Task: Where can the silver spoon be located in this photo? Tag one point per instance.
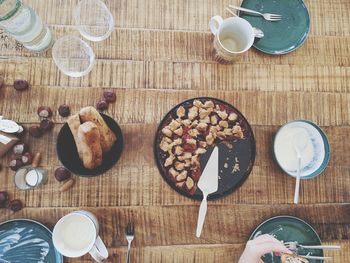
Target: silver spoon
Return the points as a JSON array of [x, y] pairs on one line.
[[300, 141]]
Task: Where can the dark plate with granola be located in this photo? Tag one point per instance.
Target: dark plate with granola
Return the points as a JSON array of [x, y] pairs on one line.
[[186, 137]]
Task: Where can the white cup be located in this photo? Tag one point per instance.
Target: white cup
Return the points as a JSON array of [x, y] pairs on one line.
[[233, 37], [76, 234]]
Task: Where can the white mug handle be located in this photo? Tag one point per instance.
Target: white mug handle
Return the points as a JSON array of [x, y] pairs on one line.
[[214, 24], [99, 251]]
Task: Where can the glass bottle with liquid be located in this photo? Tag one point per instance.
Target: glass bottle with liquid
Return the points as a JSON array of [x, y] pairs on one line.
[[22, 23]]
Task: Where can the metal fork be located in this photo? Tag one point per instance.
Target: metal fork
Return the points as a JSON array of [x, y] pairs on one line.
[[267, 16], [295, 245], [129, 233]]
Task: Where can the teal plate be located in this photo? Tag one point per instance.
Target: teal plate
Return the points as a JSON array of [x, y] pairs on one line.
[[289, 228], [25, 240], [283, 36]]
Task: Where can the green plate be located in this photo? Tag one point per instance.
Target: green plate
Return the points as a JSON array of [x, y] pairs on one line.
[[289, 228], [283, 36]]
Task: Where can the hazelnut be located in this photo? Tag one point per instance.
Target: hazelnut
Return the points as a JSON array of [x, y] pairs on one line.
[[15, 205], [16, 164], [4, 199], [64, 110], [20, 85], [44, 112], [46, 125], [62, 174], [102, 105], [20, 148], [26, 158], [109, 96], [35, 131], [21, 131]]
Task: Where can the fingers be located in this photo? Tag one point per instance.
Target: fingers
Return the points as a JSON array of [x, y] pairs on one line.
[[268, 247]]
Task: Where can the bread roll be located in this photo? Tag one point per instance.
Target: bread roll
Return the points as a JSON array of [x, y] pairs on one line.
[[290, 258], [107, 136], [74, 123], [89, 139]]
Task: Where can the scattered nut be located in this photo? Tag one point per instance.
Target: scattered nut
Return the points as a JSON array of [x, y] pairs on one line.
[[15, 164], [46, 125], [4, 199], [35, 131], [64, 110], [15, 205], [102, 105], [36, 160], [67, 185], [109, 96], [62, 174], [44, 112], [20, 148], [27, 158], [20, 85]]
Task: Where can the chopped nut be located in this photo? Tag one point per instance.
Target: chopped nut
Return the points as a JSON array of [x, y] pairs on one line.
[[198, 103], [222, 114], [214, 120], [228, 132], [180, 184], [223, 124], [203, 113], [185, 156], [169, 161], [194, 160], [179, 150], [164, 145], [178, 141], [200, 151], [214, 129], [194, 124], [206, 120], [187, 163], [167, 132], [202, 127], [186, 122], [174, 125], [221, 135], [232, 117], [209, 139], [189, 183], [202, 144], [179, 131], [191, 142], [209, 104], [179, 166], [193, 133], [181, 176], [173, 172], [193, 113], [180, 112]]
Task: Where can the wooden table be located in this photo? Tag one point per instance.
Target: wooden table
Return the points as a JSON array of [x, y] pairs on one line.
[[159, 55]]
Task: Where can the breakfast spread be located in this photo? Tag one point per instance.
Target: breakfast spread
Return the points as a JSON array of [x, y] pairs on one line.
[[92, 136]]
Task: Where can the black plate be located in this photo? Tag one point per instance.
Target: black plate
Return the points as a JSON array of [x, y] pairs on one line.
[[243, 149], [68, 154]]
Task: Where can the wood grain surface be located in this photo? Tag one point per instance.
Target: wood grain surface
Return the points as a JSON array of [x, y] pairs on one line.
[[159, 54]]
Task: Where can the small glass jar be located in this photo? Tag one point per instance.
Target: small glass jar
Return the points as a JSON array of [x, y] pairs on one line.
[[28, 177]]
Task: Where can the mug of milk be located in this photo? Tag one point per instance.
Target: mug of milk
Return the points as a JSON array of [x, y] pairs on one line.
[[232, 37], [76, 234]]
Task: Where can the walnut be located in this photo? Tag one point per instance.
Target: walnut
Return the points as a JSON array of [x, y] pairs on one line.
[[194, 160], [228, 131], [193, 113], [180, 112], [186, 122], [181, 176], [184, 156], [189, 183], [167, 132], [164, 145], [202, 127], [178, 141], [179, 131], [208, 104], [209, 139], [223, 124], [222, 114], [174, 125], [187, 163], [173, 172], [203, 113], [232, 117], [193, 133], [169, 161], [179, 166], [179, 150], [213, 120], [198, 103], [206, 120], [200, 151], [194, 124], [191, 142]]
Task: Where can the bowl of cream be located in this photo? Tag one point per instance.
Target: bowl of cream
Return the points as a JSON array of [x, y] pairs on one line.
[[315, 155]]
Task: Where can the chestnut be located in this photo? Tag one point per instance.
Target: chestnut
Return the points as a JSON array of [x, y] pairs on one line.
[[46, 125], [20, 148], [64, 110], [102, 105], [4, 199], [35, 131], [44, 112], [27, 158], [62, 174], [109, 96], [15, 164], [15, 205], [20, 85]]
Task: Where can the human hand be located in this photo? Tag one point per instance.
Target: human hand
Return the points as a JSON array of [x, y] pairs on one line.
[[260, 246]]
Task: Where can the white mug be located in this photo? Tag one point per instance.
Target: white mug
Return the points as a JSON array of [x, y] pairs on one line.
[[76, 234], [233, 37]]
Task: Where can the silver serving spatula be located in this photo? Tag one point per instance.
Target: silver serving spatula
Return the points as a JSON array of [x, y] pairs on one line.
[[208, 184]]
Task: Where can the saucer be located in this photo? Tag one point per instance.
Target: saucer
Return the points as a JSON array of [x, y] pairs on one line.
[[284, 36]]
